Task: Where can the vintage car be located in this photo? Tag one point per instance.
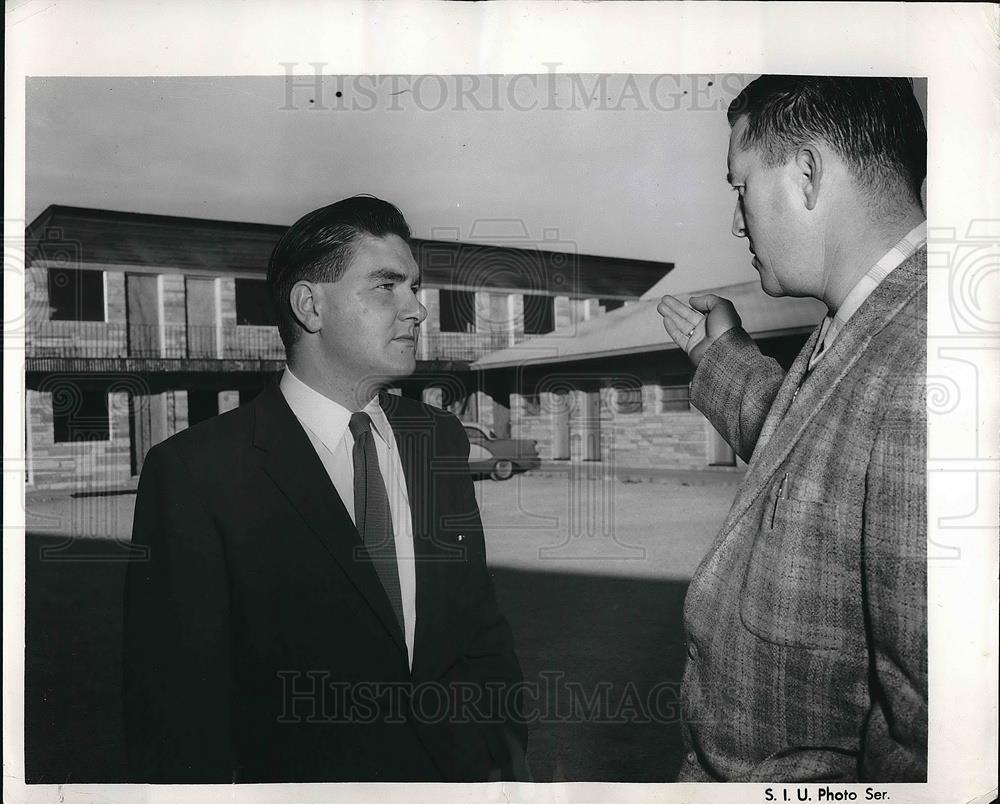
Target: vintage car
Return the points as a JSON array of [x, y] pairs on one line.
[[499, 458]]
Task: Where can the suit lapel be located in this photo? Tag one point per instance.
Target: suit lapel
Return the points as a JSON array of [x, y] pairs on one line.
[[293, 465], [791, 414]]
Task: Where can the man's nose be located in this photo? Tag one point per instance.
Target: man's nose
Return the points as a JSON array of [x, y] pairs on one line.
[[739, 225], [414, 310]]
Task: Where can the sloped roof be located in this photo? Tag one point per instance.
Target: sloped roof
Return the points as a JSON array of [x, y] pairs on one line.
[[106, 240], [637, 327]]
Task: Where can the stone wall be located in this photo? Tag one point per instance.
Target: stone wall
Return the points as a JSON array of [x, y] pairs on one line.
[[80, 465], [650, 437], [563, 312], [114, 295], [516, 303], [227, 314], [36, 297], [534, 421], [47, 338], [88, 465], [228, 400]]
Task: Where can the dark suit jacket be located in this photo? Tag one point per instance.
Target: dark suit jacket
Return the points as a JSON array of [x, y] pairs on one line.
[[259, 642]]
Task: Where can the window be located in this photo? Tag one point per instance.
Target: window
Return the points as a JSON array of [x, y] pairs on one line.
[[611, 304], [676, 393], [79, 415], [457, 310], [539, 314], [253, 303], [76, 295], [627, 399]]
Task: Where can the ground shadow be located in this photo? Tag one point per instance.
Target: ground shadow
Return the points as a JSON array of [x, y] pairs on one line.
[[72, 660], [597, 647], [616, 646]]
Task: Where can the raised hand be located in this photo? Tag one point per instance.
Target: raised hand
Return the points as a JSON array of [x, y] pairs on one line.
[[696, 327]]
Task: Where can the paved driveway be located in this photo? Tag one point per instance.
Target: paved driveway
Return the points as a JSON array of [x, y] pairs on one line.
[[591, 573]]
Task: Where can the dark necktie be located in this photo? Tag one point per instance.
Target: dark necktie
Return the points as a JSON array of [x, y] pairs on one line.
[[372, 515]]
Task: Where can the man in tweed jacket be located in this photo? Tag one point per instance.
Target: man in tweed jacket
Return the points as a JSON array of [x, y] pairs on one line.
[[806, 623]]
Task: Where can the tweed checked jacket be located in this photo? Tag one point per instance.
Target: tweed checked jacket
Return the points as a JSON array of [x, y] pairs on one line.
[[807, 620]]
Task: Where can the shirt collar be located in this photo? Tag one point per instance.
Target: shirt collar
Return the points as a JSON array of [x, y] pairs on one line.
[[326, 419], [888, 263]]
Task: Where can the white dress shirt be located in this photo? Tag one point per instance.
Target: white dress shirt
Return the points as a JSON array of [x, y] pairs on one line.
[[890, 261], [326, 424]]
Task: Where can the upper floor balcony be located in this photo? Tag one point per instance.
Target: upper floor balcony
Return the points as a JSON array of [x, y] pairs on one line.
[[58, 345], [101, 339]]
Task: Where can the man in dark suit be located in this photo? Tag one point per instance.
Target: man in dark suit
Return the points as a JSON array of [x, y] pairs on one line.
[[314, 602]]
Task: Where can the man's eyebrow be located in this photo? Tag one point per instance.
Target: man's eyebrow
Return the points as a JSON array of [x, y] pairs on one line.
[[389, 275]]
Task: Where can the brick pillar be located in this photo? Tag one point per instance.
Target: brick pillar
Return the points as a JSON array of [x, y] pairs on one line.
[[431, 299], [590, 421], [562, 315], [177, 411], [147, 425], [483, 311], [36, 298], [114, 285], [560, 404], [588, 308], [227, 314], [228, 400], [516, 304]]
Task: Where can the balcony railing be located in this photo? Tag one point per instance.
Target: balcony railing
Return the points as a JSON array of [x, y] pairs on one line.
[[179, 342], [170, 341], [463, 345]]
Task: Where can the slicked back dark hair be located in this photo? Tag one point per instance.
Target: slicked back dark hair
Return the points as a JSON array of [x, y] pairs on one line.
[[318, 247], [875, 124]]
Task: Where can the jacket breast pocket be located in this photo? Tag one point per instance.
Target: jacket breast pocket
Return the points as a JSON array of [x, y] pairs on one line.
[[802, 586]]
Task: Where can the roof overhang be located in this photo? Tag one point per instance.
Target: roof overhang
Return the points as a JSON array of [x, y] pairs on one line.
[[538, 357], [96, 239]]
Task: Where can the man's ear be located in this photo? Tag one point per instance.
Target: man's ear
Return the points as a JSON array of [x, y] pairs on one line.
[[306, 305], [809, 170]]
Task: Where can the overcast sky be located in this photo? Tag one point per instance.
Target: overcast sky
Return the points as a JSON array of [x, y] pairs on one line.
[[623, 166]]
